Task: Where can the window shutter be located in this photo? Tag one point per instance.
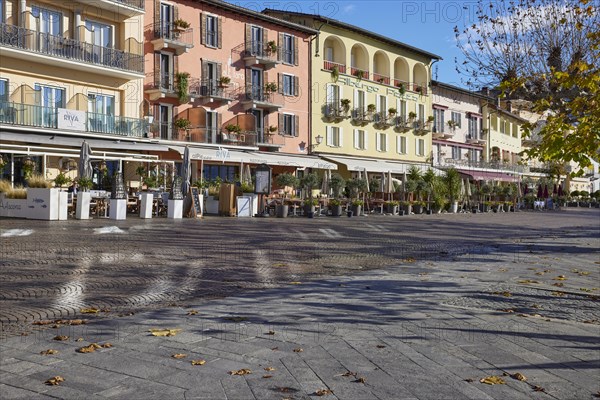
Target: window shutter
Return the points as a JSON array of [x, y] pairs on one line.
[[281, 124], [156, 13], [157, 71], [377, 141], [280, 47], [220, 32], [295, 50], [296, 125], [398, 145], [219, 122], [219, 70], [366, 136], [202, 28], [296, 86], [265, 36], [279, 83], [205, 71], [329, 136], [175, 13], [356, 144], [248, 38], [386, 142], [341, 137], [175, 66]]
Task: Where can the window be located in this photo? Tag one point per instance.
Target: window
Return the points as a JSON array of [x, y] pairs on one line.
[[288, 49], [101, 34], [420, 147], [257, 40], [333, 94], [212, 31], [289, 85], [382, 104], [515, 132], [47, 21], [3, 89], [165, 78], [334, 136], [381, 142], [360, 139], [473, 134], [502, 126], [401, 144], [101, 111], [421, 114], [455, 153], [402, 109], [438, 122], [288, 124], [456, 118], [49, 98], [359, 100]]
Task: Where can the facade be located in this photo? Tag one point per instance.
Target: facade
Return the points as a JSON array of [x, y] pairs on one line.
[[371, 98], [230, 83], [69, 72]]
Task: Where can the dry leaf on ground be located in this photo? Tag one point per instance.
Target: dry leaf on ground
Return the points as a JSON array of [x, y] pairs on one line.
[[267, 376], [361, 380], [558, 284], [539, 389], [192, 312], [558, 294], [48, 352], [164, 332], [236, 319], [44, 322], [270, 333], [107, 345], [198, 362], [323, 392], [243, 371], [179, 355], [560, 278], [525, 281], [295, 283], [55, 381], [91, 310], [348, 373], [88, 349], [519, 376], [492, 380], [61, 337], [469, 380], [79, 339], [269, 369], [380, 346], [298, 350], [507, 310]]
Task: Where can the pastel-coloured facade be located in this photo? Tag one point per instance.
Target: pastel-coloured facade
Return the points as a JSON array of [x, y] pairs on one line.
[[70, 71], [371, 101], [231, 83]]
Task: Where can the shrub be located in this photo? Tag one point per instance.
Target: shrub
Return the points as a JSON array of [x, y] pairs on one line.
[[38, 181], [5, 186], [61, 180], [16, 193]]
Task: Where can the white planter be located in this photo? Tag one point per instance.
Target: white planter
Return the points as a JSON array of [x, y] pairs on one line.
[[118, 209], [16, 208], [63, 205], [244, 206], [83, 205], [253, 203], [212, 205], [42, 203], [175, 209], [146, 205], [454, 207]]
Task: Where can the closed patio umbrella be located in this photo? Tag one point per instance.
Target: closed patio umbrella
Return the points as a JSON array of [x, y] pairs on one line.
[[545, 191], [560, 190], [389, 185], [554, 190], [247, 175], [382, 183], [325, 183], [540, 192], [367, 179], [186, 171], [84, 168]]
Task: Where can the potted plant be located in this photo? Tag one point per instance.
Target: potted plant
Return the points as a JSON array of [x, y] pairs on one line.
[[485, 190], [271, 47], [401, 88], [371, 108], [345, 105], [271, 87], [337, 184], [391, 207], [224, 81], [3, 162], [182, 82], [356, 186], [452, 182], [452, 125], [310, 182], [180, 25], [392, 111], [412, 116], [233, 128], [419, 89], [285, 180], [182, 124], [408, 189], [357, 207], [61, 180], [335, 73], [272, 130], [335, 206], [359, 74], [28, 167]]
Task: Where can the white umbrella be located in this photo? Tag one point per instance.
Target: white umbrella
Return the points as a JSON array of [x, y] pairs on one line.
[[325, 184], [382, 183], [367, 179], [389, 185], [84, 168], [186, 171], [247, 175]]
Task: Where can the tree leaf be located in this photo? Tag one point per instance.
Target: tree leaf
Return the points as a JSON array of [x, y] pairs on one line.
[[192, 312], [164, 332], [323, 392], [361, 380], [269, 369], [270, 333], [267, 376], [88, 349], [57, 380], [492, 380], [91, 310], [298, 350]]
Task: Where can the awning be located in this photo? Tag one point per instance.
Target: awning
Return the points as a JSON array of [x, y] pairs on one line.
[[488, 176], [291, 160], [219, 154], [373, 165], [27, 138]]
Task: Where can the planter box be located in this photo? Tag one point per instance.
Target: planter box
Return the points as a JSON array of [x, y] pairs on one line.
[[253, 202], [417, 209], [357, 210], [15, 208], [63, 206], [118, 209], [175, 209], [244, 206], [83, 205], [336, 211], [43, 204], [146, 205], [391, 209], [282, 210], [212, 205]]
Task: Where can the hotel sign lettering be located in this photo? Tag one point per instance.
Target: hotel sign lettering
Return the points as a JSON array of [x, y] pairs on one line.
[[355, 83], [71, 119]]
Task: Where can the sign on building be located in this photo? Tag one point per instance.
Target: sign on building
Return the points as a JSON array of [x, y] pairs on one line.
[[71, 119]]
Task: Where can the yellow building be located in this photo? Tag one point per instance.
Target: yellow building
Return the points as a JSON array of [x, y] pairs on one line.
[[71, 71], [371, 102]]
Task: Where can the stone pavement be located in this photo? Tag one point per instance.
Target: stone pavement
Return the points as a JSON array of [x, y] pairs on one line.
[[368, 308]]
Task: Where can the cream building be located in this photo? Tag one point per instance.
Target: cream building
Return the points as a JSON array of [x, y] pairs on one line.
[[71, 71], [371, 100]]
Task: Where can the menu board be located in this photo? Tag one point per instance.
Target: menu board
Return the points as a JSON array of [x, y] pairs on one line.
[[262, 184], [196, 206], [176, 193], [118, 188]]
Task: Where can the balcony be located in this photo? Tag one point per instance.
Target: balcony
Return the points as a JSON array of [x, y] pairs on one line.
[[441, 132], [382, 120], [359, 73], [384, 80], [160, 86], [59, 51], [423, 127], [400, 84], [477, 138], [360, 116], [330, 66], [402, 124], [334, 111], [129, 8], [210, 91], [259, 53], [495, 165], [421, 89], [257, 97], [170, 36], [47, 117], [167, 131], [269, 140]]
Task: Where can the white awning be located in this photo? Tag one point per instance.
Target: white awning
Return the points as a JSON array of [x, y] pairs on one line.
[[373, 165], [291, 160], [218, 154]]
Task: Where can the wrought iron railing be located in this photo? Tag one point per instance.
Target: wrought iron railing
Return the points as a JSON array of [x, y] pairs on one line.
[[161, 81], [263, 95], [209, 88], [133, 3], [360, 115], [69, 49], [173, 33], [260, 49], [115, 125]]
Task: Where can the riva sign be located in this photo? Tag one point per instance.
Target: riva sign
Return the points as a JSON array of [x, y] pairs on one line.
[[71, 119]]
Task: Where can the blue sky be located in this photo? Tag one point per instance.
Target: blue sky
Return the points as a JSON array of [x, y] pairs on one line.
[[424, 24]]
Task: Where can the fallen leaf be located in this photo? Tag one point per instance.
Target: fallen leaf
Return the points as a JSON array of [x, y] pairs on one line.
[[269, 369], [507, 310], [267, 376], [106, 310], [361, 380], [469, 380], [537, 306], [348, 373], [492, 380], [164, 332], [380, 346], [79, 339], [558, 284], [583, 273], [298, 350], [236, 319], [72, 321], [323, 392], [585, 290], [243, 371], [55, 381], [48, 352], [505, 374], [179, 355], [560, 278], [88, 349], [270, 333], [558, 294], [523, 315], [519, 376], [590, 321], [539, 273], [61, 337], [192, 312], [409, 260], [539, 389], [502, 270], [107, 345], [91, 310], [285, 389], [526, 281], [198, 362], [44, 322], [275, 348]]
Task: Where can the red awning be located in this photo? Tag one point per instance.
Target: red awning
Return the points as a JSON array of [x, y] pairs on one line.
[[488, 176]]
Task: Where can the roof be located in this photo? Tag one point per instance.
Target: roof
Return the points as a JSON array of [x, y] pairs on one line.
[[461, 90], [255, 14], [353, 28]]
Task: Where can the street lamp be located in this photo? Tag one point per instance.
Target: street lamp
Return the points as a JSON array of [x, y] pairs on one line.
[[318, 141]]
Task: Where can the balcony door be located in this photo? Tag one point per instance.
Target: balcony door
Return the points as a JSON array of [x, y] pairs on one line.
[[212, 127], [166, 72], [49, 99], [165, 113], [211, 78], [256, 83], [260, 125], [49, 27], [101, 113], [333, 95], [166, 18], [100, 36], [257, 38]]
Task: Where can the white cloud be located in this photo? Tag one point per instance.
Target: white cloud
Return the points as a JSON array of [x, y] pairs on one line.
[[348, 8]]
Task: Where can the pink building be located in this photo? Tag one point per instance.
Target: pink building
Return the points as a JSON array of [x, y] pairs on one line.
[[231, 83]]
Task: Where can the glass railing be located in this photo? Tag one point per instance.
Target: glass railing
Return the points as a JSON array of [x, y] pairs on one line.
[[69, 49], [115, 125]]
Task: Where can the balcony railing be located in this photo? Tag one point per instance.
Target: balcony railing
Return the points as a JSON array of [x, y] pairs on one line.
[[330, 65], [403, 124], [133, 3], [69, 49], [497, 165], [262, 95], [47, 117], [415, 87], [360, 116], [209, 88], [400, 83], [168, 31], [382, 119], [357, 72], [167, 131], [259, 52], [385, 80], [334, 110], [163, 82]]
